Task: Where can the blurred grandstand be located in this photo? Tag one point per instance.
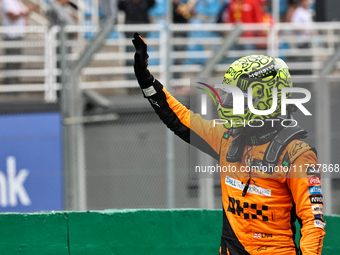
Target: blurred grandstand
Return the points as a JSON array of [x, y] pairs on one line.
[[122, 167]]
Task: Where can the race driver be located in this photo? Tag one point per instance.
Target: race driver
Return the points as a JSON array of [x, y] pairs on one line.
[[260, 206]]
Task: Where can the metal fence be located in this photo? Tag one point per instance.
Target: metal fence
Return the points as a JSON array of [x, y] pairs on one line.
[[193, 45], [126, 157]]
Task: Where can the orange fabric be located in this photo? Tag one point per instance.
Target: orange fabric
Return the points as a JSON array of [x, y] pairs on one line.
[[180, 110], [262, 222], [261, 218], [205, 129]]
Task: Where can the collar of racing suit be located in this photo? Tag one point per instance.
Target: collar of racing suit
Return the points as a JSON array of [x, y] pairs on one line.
[[251, 136], [264, 134]]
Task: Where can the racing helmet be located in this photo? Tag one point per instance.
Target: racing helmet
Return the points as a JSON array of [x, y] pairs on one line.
[[262, 74]]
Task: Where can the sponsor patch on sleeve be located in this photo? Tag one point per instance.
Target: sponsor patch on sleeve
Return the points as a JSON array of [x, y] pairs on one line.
[[315, 190], [311, 170], [314, 180], [316, 209], [319, 224], [318, 216], [150, 91], [316, 199]]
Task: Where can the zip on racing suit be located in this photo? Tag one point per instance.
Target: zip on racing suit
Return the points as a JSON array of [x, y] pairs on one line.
[[259, 207]]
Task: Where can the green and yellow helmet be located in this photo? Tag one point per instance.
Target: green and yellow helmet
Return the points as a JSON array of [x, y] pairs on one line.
[[262, 74]]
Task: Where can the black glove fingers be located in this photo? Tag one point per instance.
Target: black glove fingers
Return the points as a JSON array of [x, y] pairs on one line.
[[139, 42], [136, 35], [135, 43], [145, 79], [145, 49]]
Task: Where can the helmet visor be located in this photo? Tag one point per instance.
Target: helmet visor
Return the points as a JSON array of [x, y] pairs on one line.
[[227, 99]]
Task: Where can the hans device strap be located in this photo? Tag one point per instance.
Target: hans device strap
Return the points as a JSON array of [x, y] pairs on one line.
[[274, 149], [237, 146], [279, 142]]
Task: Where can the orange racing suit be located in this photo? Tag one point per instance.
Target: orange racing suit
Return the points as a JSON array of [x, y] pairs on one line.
[[262, 220]]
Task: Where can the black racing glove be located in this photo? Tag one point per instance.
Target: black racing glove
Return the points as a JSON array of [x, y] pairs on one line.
[[147, 82]]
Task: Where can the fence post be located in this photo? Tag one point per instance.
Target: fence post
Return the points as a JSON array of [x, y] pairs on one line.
[[50, 89], [47, 65], [72, 108], [170, 148], [272, 41], [276, 10], [94, 12]]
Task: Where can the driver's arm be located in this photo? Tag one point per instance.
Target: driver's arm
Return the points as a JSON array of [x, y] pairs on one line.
[[306, 190], [190, 127]]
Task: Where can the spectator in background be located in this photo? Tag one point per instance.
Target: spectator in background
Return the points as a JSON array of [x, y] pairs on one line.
[[110, 9], [14, 14], [222, 16], [291, 9], [136, 12], [302, 17], [58, 13], [244, 11], [266, 18], [178, 17], [182, 12]]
